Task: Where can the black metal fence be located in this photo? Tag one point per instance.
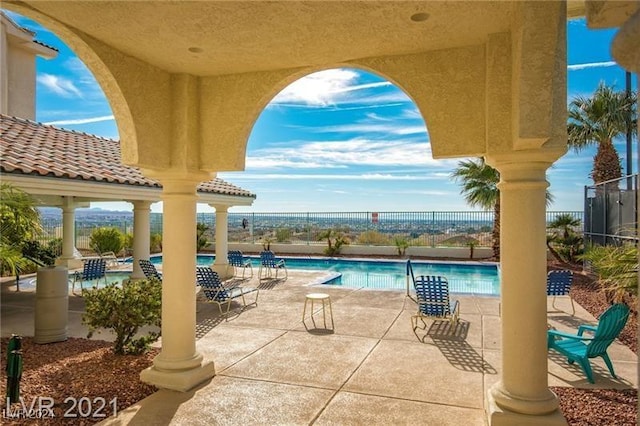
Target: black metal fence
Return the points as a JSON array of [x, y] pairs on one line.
[[611, 212], [430, 229]]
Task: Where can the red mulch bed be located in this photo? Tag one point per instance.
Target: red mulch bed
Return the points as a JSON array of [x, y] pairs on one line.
[[597, 407], [76, 368]]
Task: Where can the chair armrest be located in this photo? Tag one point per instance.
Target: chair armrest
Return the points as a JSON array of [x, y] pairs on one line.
[[280, 263], [585, 327], [556, 333], [456, 306]]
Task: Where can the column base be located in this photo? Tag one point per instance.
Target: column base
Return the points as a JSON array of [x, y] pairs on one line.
[[497, 416], [178, 380], [223, 270], [70, 263]]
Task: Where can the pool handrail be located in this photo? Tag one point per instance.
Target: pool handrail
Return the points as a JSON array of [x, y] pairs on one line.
[[413, 279]]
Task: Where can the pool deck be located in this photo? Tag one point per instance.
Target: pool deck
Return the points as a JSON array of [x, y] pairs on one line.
[[272, 369]]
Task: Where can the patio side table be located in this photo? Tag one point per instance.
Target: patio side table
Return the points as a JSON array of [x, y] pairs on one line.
[[323, 297]]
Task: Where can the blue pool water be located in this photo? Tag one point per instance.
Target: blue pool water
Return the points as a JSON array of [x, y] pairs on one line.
[[477, 278]]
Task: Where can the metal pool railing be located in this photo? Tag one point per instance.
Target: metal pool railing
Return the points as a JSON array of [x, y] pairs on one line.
[[427, 228]]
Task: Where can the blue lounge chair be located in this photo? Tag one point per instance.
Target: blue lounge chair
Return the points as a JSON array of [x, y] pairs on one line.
[[217, 293], [559, 284], [238, 261], [577, 347], [149, 270], [93, 269], [432, 296], [268, 262]]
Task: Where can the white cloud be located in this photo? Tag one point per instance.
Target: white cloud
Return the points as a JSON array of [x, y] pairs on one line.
[[394, 129], [81, 120], [316, 177], [357, 151], [59, 85], [319, 88], [576, 67], [411, 113], [364, 86], [331, 87]]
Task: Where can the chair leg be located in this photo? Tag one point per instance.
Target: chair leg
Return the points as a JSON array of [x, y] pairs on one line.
[[304, 309], [586, 367], [607, 361], [573, 308]]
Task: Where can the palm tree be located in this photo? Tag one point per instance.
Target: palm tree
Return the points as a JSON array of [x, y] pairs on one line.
[[565, 223], [597, 121], [480, 189], [19, 223]]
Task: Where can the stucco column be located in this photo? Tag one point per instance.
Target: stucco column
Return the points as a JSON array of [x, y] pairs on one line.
[[141, 235], [68, 257], [178, 366], [221, 264], [522, 395]]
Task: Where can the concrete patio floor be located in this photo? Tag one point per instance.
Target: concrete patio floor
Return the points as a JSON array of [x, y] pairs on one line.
[[271, 369]]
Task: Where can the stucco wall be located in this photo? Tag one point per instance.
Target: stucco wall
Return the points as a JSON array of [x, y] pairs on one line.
[[21, 81]]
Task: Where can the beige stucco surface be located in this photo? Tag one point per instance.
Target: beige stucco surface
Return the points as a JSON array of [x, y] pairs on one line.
[[187, 80], [193, 111]]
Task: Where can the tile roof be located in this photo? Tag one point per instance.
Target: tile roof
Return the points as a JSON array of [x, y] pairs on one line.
[[31, 148]]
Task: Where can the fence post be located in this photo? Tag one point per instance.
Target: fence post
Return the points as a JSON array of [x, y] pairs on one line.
[[433, 227], [253, 221]]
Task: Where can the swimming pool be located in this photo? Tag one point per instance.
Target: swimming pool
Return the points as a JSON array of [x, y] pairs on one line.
[[463, 277]]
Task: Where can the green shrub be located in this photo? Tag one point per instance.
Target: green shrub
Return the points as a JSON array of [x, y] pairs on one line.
[[155, 245], [401, 244], [201, 238], [373, 238], [335, 241], [37, 253], [106, 239], [128, 243], [55, 246], [124, 310], [617, 268], [283, 235]]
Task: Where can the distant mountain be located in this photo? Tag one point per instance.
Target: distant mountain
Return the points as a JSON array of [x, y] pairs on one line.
[[95, 211]]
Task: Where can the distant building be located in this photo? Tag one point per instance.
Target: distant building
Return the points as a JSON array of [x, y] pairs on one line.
[[18, 52]]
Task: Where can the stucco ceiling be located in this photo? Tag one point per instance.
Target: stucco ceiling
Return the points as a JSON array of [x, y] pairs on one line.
[[243, 36]]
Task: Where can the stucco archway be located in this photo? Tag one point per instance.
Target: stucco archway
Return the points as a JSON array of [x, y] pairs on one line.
[[489, 80]]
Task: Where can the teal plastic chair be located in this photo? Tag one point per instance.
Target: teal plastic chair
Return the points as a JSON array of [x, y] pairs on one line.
[[577, 347]]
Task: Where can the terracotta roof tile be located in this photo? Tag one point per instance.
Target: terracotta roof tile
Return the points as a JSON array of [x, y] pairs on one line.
[[27, 147]]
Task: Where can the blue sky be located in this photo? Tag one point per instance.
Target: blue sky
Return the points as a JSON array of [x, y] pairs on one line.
[[338, 140]]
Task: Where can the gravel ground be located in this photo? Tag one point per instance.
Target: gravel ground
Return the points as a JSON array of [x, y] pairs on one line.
[[599, 407], [74, 369], [81, 368]]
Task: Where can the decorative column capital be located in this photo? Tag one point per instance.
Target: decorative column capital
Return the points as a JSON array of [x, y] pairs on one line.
[[624, 47], [178, 181], [141, 204], [525, 158], [220, 208]]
